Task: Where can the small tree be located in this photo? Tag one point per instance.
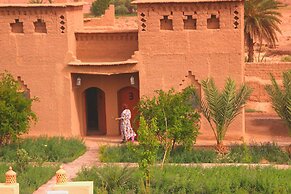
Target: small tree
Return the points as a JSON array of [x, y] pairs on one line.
[[15, 110], [99, 6], [281, 97], [177, 120], [147, 149], [220, 108]]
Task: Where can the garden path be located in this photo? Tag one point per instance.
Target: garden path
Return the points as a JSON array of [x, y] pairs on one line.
[[86, 160]]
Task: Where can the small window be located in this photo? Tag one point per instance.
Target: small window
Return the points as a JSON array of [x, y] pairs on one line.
[[190, 23], [166, 23], [213, 22], [17, 27], [40, 26]]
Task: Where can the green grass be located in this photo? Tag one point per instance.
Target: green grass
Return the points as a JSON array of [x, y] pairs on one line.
[[286, 58], [178, 179], [45, 149], [30, 179], [238, 154], [252, 110]]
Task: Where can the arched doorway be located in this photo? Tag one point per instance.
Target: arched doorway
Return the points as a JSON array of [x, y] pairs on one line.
[[130, 96], [95, 111]]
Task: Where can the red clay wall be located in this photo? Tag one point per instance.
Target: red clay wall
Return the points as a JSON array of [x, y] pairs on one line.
[[168, 56], [257, 75], [103, 47], [39, 59]]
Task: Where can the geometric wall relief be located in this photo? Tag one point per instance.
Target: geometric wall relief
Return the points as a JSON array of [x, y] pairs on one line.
[[62, 24], [143, 22], [17, 27], [23, 88], [189, 80], [235, 18], [40, 26], [213, 22]]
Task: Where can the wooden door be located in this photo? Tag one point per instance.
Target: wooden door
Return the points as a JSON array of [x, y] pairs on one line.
[[130, 96]]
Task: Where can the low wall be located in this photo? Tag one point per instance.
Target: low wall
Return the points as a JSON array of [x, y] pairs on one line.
[[257, 76]]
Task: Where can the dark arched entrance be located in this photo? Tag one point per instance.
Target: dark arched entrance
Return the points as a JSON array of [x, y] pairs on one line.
[[95, 111]]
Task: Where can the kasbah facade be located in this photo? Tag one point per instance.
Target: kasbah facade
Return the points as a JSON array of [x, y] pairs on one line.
[[83, 70]]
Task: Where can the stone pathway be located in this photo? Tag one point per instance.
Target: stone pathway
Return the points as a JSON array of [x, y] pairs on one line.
[[86, 160]]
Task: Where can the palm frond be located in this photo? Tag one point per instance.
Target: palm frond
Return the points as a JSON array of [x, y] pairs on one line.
[[281, 97]]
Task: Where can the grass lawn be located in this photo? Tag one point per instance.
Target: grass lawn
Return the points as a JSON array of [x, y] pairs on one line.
[[31, 165], [31, 178], [238, 154], [178, 179], [45, 149]]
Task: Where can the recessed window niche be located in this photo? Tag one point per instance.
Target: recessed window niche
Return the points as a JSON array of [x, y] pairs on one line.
[[17, 27], [190, 23], [40, 26], [166, 23], [213, 22]]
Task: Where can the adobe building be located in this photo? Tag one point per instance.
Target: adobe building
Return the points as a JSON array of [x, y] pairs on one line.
[[84, 70]]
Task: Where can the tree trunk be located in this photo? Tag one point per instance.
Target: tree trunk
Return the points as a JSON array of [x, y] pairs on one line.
[[220, 148], [250, 44]]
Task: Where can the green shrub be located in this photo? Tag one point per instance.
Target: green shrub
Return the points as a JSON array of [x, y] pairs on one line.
[[179, 179], [108, 179], [15, 110], [50, 149], [121, 10], [32, 178], [123, 7], [177, 120], [99, 6]]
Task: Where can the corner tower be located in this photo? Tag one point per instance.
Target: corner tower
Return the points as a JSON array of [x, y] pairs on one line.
[[182, 42]]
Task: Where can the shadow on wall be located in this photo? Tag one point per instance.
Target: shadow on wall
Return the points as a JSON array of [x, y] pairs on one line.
[[266, 125]]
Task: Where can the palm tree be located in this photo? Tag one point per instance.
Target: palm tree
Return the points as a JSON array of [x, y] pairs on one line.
[[281, 97], [261, 23], [220, 108]]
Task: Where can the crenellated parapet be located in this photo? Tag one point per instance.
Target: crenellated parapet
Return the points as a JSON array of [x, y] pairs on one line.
[[189, 15], [32, 18]]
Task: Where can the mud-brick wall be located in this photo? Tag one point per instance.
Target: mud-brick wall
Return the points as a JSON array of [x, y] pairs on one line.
[[257, 76]]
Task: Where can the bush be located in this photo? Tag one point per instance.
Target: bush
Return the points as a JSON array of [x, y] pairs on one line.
[[179, 179], [15, 110], [123, 7], [121, 10], [99, 6], [108, 179], [176, 118], [53, 149]]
